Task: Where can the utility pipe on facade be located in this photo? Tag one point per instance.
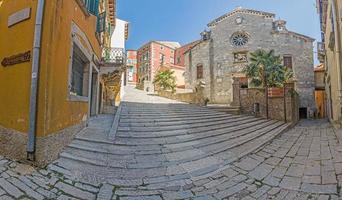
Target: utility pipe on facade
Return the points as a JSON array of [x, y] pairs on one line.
[[337, 51], [31, 144]]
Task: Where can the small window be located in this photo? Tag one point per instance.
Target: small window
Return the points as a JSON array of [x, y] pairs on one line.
[[288, 61], [178, 60], [172, 60], [161, 58], [79, 73], [199, 71]]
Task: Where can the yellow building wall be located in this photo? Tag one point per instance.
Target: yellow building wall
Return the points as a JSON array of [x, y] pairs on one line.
[[59, 111], [179, 74], [55, 111], [331, 66], [15, 80]]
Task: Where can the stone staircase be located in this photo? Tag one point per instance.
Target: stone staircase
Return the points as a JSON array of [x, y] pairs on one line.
[[224, 108], [164, 146]]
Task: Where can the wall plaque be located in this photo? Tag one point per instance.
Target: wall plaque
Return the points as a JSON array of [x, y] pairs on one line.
[[16, 59], [19, 16]]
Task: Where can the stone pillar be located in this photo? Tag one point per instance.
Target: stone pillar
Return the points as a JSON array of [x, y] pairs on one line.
[[236, 92], [292, 102]]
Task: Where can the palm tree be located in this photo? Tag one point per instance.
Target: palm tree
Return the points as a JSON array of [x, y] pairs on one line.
[[165, 79], [266, 69]]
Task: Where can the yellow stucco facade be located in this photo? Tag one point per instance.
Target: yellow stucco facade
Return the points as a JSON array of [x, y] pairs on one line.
[[15, 80], [332, 28], [65, 24], [55, 111]]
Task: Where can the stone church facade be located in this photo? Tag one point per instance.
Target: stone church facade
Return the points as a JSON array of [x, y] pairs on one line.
[[224, 51]]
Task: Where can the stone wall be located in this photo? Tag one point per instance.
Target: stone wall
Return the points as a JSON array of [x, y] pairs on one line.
[[250, 96], [183, 97]]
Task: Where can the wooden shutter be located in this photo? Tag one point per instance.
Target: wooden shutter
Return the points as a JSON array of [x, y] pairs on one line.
[[288, 61], [199, 71]]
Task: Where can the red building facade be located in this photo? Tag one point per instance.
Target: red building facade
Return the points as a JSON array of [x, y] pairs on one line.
[[156, 54], [131, 73]]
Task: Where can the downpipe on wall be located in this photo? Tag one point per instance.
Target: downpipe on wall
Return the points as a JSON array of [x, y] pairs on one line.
[[31, 143]]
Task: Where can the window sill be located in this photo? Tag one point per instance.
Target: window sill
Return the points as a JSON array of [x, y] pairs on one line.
[[73, 97]]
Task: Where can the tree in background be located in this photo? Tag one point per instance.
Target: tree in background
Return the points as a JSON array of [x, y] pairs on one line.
[[165, 80], [266, 69]]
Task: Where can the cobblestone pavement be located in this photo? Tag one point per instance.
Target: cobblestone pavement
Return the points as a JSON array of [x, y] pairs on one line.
[[302, 163]]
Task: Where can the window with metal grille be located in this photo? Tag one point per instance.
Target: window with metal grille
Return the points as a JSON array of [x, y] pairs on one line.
[[288, 61], [199, 71], [78, 73]]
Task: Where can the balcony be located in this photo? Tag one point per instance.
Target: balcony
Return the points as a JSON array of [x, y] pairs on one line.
[[114, 56], [321, 51]]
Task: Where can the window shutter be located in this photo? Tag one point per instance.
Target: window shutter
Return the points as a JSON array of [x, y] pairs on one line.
[[199, 71], [288, 61], [93, 6], [101, 22]]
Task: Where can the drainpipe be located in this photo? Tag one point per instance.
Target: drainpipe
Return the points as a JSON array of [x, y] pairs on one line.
[[31, 144], [337, 53]]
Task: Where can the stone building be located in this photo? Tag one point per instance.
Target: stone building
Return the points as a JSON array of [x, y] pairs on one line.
[[329, 53], [225, 47]]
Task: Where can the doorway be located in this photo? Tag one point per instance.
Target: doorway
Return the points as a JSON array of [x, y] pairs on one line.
[[303, 113], [320, 103]]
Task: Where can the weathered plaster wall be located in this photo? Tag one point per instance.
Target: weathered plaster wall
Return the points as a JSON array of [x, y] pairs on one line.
[[57, 115], [59, 112], [15, 80], [332, 89]]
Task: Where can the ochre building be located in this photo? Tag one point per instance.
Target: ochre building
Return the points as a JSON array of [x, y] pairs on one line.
[[329, 53], [51, 54]]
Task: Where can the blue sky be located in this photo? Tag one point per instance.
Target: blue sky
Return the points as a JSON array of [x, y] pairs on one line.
[[183, 20]]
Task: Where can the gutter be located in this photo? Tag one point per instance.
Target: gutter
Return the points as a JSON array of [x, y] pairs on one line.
[[31, 143]]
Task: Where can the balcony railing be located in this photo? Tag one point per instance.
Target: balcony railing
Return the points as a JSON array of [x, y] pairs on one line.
[[114, 56]]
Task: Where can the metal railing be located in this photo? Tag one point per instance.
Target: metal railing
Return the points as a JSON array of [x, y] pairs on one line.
[[114, 55]]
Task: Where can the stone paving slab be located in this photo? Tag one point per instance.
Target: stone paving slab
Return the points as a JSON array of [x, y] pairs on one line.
[[302, 163]]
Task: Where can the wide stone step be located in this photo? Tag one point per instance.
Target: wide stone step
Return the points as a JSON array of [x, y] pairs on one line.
[[176, 123], [186, 132], [179, 158], [127, 119], [187, 143], [166, 110], [192, 137], [181, 127], [206, 131], [167, 115]]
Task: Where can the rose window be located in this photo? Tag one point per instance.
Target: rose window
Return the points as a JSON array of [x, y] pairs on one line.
[[239, 39]]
